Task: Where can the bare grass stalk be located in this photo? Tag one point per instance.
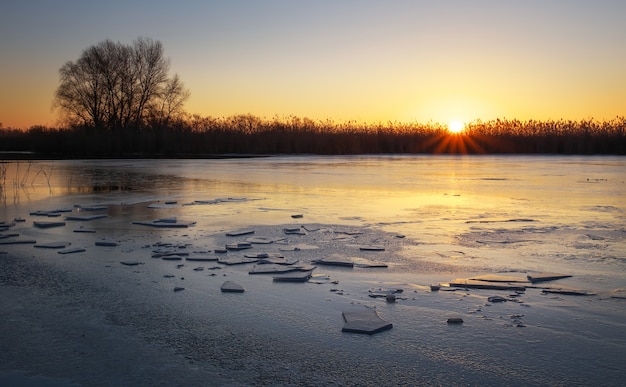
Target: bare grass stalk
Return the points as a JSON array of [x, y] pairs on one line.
[[46, 175], [25, 177], [3, 180]]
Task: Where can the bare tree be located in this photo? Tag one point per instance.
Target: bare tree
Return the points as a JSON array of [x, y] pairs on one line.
[[116, 86], [169, 104]]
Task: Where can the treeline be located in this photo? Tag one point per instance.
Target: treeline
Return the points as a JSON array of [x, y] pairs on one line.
[[196, 136]]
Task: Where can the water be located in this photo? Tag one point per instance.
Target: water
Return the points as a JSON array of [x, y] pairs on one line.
[[459, 216]]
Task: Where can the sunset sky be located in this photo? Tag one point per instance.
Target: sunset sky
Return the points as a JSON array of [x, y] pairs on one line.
[[372, 61]]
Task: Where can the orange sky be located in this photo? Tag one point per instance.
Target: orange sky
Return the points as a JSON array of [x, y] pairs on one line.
[[349, 60]]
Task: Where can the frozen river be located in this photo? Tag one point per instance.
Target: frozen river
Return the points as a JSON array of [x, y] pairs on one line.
[[436, 219]]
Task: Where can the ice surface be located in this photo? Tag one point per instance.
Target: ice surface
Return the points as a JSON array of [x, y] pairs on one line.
[[461, 217]]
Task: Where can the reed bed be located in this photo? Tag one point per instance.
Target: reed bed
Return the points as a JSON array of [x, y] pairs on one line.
[[18, 175], [196, 136]]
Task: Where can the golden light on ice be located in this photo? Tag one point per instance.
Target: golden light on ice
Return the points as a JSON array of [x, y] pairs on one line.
[[455, 126]]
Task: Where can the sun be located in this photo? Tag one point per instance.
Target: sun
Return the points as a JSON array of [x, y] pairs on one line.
[[455, 126]]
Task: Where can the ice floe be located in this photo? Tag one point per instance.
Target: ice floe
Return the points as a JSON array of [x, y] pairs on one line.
[[372, 248], [106, 243], [240, 232], [85, 217], [44, 224], [53, 245], [72, 250], [232, 287], [294, 276], [364, 320], [544, 277], [335, 260], [165, 223], [238, 246], [475, 284], [17, 241]]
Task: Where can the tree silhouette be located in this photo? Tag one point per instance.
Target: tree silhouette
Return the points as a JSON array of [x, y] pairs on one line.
[[116, 86]]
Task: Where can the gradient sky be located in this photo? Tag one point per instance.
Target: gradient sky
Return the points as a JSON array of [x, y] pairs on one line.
[[373, 61]]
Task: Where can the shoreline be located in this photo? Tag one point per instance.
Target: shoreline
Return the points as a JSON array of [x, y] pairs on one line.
[[7, 157]]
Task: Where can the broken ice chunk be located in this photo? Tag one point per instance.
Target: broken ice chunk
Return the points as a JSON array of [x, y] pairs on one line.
[[364, 321], [232, 287]]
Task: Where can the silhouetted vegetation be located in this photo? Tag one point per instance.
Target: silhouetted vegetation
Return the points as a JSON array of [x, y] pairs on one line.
[[196, 136], [115, 87], [117, 101]]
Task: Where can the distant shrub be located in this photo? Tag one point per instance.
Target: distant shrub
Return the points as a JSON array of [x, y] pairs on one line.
[[196, 136]]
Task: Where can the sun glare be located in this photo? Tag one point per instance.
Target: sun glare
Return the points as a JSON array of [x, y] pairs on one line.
[[455, 127]]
